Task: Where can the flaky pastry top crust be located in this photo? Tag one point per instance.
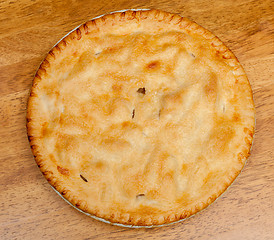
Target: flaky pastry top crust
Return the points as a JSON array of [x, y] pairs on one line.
[[140, 117]]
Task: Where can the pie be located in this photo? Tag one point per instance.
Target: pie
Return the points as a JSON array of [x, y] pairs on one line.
[[140, 118]]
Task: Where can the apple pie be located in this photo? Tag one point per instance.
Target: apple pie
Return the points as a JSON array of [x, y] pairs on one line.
[[140, 118]]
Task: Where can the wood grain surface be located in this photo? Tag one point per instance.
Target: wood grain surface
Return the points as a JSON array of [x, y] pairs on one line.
[[30, 209]]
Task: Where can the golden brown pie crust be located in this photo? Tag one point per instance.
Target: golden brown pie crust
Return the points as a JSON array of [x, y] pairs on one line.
[[140, 117]]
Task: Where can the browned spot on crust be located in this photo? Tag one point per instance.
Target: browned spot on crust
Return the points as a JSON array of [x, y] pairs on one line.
[[247, 131], [75, 54], [79, 34], [52, 54], [93, 22], [184, 199], [184, 168], [241, 157], [248, 141], [117, 88], [146, 210], [115, 144], [104, 97], [52, 158], [171, 18], [236, 117], [153, 65], [211, 87], [184, 24], [123, 15], [45, 63], [174, 98], [62, 119], [180, 20], [30, 138], [48, 174], [103, 19], [58, 48], [112, 49], [42, 70], [37, 76], [133, 14], [126, 124], [169, 176], [222, 135], [99, 165], [143, 14], [64, 42], [183, 215], [32, 94], [209, 177], [44, 130], [227, 55], [64, 192], [63, 171], [85, 28], [33, 147]]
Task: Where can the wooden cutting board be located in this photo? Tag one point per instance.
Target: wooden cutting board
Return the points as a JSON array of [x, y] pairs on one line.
[[30, 209]]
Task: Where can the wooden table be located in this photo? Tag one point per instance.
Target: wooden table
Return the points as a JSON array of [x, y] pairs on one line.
[[30, 209]]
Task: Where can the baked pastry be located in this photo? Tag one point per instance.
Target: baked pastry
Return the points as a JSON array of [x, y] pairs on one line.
[[140, 118]]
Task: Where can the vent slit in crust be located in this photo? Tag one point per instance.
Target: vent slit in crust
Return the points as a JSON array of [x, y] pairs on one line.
[[141, 195], [83, 178], [142, 90]]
